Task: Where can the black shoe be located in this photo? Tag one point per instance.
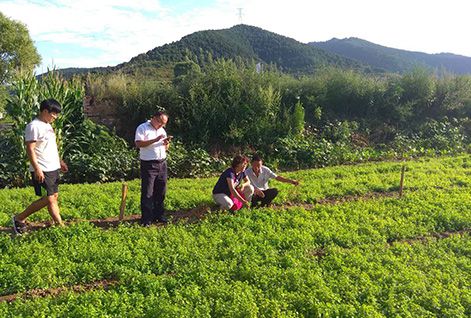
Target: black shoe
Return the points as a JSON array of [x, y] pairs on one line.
[[162, 219], [18, 227]]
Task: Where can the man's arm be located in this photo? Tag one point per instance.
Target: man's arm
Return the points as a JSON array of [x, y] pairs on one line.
[[145, 143], [64, 167], [286, 180], [30, 145]]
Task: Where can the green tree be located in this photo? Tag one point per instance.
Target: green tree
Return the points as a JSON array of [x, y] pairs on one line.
[[17, 50], [418, 92], [298, 118]]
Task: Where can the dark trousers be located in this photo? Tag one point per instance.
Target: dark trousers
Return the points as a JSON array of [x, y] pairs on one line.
[[153, 189], [270, 194]]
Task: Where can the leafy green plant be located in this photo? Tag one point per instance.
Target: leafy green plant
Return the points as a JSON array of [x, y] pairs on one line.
[[93, 153]]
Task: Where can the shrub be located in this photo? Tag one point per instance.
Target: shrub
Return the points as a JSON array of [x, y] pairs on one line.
[[95, 154]]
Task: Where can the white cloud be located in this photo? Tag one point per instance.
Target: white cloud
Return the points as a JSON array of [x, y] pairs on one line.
[[121, 29]]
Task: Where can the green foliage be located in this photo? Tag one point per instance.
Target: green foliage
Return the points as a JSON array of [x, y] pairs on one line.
[[13, 168], [196, 162], [21, 107], [298, 118], [441, 137], [95, 154], [242, 42], [310, 151], [92, 153], [185, 68], [3, 100], [227, 104], [135, 99], [368, 258], [17, 51], [417, 92]]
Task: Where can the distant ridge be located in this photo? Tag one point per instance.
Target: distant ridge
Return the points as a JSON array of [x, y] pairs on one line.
[[394, 60]]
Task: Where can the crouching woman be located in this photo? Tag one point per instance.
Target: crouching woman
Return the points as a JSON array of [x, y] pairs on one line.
[[233, 189]]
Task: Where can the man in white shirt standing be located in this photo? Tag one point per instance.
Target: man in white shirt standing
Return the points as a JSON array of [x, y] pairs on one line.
[[153, 142], [45, 164], [259, 175]]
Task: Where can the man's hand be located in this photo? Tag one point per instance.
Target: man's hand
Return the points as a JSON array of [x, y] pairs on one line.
[[146, 143], [259, 193], [167, 140], [295, 182], [246, 203], [64, 167], [39, 175]]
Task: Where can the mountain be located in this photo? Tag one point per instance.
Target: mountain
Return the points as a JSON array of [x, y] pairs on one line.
[[246, 42], [382, 58], [290, 56], [241, 41]]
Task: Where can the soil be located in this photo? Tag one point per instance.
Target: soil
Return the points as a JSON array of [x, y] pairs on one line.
[[33, 293], [198, 213]]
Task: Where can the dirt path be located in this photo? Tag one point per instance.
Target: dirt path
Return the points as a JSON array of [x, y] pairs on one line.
[[198, 213], [35, 293]]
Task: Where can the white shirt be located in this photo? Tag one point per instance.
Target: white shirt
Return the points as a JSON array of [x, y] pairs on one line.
[[260, 182], [155, 151], [46, 147]]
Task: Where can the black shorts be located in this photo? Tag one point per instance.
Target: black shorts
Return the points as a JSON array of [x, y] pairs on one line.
[[50, 183]]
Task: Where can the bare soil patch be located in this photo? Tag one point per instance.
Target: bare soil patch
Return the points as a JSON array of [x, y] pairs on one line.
[[34, 293], [198, 213]]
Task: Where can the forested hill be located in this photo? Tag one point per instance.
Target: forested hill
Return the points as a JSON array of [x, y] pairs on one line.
[[248, 43], [394, 60], [241, 41], [290, 56]]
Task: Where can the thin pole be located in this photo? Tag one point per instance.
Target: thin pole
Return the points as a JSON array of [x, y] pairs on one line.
[[401, 185], [124, 193]]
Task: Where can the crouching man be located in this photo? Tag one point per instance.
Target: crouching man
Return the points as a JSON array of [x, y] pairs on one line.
[[259, 175]]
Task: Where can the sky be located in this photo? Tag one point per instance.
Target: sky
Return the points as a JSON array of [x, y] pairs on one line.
[[89, 33]]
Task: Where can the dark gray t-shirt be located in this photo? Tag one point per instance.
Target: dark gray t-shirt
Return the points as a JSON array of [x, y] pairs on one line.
[[222, 186]]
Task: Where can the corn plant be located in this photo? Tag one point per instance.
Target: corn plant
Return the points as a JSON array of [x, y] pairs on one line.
[[70, 95], [23, 104]]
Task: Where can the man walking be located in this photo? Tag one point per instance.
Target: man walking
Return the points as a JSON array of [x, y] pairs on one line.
[[259, 175], [152, 141], [45, 164]]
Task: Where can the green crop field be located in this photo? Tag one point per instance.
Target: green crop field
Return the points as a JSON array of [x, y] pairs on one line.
[[328, 248]]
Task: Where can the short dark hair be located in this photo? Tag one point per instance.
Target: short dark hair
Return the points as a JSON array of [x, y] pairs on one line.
[[256, 157], [238, 159], [159, 113], [51, 105]]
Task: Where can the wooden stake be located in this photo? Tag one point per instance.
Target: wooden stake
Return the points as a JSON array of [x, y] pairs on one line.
[[401, 185], [124, 193]]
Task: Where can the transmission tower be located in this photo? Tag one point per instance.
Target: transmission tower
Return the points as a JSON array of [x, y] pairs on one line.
[[239, 10]]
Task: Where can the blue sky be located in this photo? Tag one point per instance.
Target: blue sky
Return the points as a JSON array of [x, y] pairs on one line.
[[87, 33]]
